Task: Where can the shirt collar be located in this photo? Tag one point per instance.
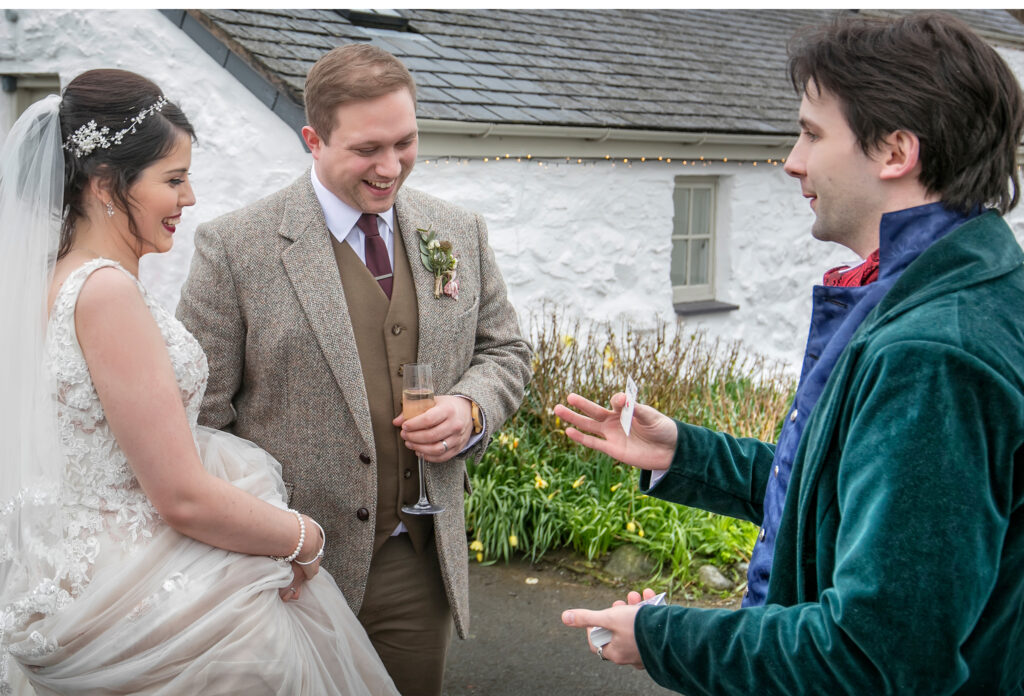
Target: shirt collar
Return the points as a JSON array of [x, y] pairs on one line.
[[340, 216]]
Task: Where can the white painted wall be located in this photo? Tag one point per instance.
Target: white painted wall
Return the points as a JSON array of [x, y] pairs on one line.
[[594, 237]]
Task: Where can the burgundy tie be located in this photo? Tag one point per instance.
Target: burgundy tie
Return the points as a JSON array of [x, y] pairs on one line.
[[376, 252]]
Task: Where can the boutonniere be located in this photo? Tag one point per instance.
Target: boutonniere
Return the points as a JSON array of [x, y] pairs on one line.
[[438, 258]]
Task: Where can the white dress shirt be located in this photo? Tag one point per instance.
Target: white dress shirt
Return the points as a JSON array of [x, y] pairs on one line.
[[342, 219]]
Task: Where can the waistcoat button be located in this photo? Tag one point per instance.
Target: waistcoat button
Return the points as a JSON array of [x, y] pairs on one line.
[[364, 457], [407, 474], [396, 329], [363, 514], [792, 416]]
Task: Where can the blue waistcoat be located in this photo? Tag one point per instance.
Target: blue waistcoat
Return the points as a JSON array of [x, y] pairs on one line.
[[836, 313]]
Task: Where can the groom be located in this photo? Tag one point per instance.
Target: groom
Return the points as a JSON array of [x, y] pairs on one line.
[[309, 302]]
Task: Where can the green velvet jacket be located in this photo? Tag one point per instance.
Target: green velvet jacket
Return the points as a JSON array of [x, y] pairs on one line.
[[899, 566]]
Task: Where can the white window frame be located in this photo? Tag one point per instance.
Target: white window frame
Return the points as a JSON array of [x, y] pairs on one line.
[[688, 291]]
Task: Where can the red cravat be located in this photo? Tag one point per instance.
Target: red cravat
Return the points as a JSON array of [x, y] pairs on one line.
[[376, 252], [844, 276]]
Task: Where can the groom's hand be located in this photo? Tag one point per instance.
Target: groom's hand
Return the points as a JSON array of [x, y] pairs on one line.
[[441, 432]]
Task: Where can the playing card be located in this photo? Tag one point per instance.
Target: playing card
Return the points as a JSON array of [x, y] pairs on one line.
[[626, 417]]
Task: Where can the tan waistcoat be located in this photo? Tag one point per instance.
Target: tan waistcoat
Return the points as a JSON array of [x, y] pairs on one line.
[[387, 335]]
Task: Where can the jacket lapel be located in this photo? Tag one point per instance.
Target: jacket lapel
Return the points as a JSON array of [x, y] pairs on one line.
[[410, 218], [311, 267]]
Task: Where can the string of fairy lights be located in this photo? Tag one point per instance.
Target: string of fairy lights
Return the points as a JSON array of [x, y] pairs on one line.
[[549, 161]]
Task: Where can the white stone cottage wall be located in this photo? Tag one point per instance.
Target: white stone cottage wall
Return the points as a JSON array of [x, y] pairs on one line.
[[593, 238]]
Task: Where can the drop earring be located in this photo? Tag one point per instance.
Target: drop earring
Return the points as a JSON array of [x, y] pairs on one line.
[[110, 209]]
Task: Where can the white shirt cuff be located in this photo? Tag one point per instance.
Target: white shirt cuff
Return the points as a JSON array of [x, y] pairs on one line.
[[656, 475]]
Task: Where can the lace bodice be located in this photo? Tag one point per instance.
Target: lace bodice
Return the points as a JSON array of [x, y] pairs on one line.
[[101, 497]]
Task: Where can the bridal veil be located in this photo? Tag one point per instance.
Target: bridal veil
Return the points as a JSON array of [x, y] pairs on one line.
[[31, 191]]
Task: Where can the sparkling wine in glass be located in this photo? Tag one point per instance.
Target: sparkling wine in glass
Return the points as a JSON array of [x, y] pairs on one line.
[[418, 397]]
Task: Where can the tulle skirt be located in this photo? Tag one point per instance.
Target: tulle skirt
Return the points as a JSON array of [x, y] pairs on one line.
[[175, 616]]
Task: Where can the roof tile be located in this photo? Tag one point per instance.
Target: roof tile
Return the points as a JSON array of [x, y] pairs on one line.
[[511, 113], [463, 81], [469, 96], [428, 79]]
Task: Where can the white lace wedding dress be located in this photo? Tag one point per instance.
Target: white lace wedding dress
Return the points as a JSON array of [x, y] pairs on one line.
[[142, 609]]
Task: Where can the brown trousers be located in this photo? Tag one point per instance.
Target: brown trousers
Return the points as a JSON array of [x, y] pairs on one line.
[[405, 613]]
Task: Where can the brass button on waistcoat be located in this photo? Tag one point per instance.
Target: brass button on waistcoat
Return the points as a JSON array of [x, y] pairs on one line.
[[363, 514], [396, 329]]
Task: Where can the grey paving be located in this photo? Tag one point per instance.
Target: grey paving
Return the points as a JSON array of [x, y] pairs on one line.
[[518, 645]]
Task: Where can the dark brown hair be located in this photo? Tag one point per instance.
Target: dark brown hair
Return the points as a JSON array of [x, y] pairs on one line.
[[112, 98], [931, 75], [353, 72]]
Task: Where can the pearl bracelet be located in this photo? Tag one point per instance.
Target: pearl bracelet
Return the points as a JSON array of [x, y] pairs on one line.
[[302, 539], [323, 543]]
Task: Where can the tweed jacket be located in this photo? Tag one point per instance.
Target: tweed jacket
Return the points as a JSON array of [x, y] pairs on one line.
[[265, 300], [899, 565]]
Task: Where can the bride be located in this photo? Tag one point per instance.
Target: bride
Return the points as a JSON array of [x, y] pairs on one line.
[[139, 553]]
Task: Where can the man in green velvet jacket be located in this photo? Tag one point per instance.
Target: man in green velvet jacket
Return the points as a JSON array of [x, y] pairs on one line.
[[898, 562]]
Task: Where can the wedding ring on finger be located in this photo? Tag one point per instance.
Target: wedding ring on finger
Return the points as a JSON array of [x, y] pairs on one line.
[[292, 590], [600, 653], [445, 445]]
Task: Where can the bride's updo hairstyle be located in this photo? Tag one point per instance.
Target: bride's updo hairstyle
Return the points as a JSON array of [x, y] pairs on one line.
[[114, 124]]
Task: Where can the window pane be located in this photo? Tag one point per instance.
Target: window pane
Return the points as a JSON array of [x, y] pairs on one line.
[[693, 238], [679, 261], [699, 261], [681, 221], [701, 224]]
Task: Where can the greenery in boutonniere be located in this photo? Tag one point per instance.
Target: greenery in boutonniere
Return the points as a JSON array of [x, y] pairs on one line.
[[438, 258]]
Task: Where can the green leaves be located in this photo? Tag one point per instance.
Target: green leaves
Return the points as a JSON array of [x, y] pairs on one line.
[[437, 257], [605, 510], [535, 484]]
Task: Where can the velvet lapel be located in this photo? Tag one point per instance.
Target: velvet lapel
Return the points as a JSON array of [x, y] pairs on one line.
[[311, 267]]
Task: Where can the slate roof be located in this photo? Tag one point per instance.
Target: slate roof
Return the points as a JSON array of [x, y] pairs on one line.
[[674, 70]]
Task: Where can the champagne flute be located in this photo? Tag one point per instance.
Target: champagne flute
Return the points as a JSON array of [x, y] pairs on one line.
[[418, 397]]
